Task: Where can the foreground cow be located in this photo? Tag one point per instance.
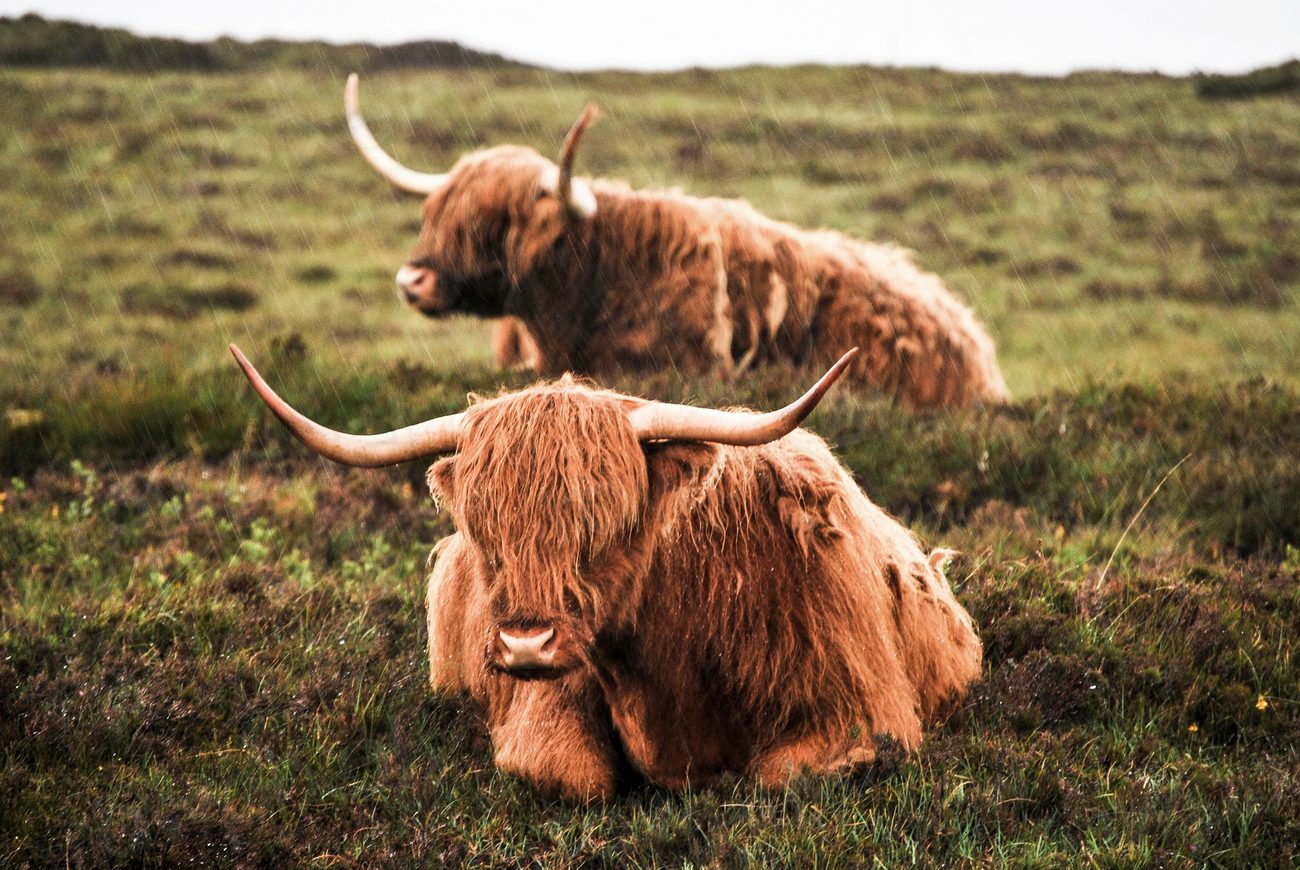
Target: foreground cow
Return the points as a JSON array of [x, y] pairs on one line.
[[671, 591], [604, 278]]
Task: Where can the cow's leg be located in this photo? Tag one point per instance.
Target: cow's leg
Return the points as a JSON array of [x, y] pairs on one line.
[[813, 754], [512, 347], [556, 734]]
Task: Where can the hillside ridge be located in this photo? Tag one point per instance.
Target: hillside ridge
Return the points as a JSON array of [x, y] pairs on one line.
[[34, 41]]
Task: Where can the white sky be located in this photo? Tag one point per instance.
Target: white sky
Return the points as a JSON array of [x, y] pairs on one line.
[[1048, 36]]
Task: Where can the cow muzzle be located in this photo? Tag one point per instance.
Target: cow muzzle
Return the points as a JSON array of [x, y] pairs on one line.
[[537, 651], [415, 284]]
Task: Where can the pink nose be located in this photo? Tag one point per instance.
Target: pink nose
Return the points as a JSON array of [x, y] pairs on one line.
[[524, 649], [414, 282]]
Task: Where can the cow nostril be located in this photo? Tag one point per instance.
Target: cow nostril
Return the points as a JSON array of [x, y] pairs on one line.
[[410, 297], [412, 281], [527, 651]]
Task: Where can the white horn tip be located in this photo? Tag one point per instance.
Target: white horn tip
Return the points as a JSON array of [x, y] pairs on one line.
[[843, 363], [351, 91]]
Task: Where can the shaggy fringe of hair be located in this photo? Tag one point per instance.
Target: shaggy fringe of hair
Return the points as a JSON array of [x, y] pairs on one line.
[[548, 478]]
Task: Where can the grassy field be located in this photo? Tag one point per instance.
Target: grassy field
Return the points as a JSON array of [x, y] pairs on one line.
[[211, 644]]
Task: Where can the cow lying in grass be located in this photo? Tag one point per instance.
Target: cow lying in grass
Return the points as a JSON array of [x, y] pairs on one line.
[[673, 591], [604, 278]]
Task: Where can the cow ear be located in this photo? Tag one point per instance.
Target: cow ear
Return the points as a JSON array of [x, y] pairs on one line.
[[441, 480], [681, 467]]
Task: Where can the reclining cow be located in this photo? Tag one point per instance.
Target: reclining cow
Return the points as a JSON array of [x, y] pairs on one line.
[[606, 278], [674, 591]]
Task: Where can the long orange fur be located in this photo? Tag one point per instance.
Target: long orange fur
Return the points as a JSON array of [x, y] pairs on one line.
[[741, 609], [661, 279]]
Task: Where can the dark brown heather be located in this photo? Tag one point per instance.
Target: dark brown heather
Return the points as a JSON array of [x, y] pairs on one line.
[[742, 609]]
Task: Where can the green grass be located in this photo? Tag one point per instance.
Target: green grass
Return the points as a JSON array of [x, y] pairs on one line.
[[211, 644]]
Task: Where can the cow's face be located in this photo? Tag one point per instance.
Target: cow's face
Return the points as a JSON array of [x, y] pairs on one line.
[[482, 233], [550, 487], [487, 223]]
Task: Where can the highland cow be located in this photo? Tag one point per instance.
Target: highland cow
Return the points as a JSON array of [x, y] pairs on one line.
[[640, 590], [606, 278]]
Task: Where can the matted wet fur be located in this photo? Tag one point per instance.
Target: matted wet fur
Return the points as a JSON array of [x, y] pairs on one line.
[[742, 609], [660, 279]]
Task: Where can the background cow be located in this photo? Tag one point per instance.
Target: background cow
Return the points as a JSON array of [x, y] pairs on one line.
[[604, 277], [677, 590]]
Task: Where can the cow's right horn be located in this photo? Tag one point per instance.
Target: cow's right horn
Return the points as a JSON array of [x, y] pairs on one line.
[[400, 176], [368, 451], [662, 421]]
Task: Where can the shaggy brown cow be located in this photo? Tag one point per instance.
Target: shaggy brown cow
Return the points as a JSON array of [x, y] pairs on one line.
[[604, 277], [671, 591]]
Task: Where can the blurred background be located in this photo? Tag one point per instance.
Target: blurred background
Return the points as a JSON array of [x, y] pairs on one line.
[[1176, 38]]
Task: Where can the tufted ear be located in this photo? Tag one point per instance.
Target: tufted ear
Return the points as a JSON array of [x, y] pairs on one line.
[[682, 469], [441, 480]]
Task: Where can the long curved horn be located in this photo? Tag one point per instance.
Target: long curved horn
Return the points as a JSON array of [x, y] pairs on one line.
[[397, 174], [441, 435], [576, 196], [661, 421]]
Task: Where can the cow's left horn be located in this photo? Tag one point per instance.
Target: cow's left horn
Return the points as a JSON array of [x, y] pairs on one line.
[[576, 195], [660, 421], [400, 176], [368, 451]]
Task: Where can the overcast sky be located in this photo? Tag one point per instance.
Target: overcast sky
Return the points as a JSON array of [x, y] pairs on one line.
[[1048, 36]]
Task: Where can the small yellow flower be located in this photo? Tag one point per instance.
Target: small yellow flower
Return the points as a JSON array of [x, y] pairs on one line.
[[54, 512], [1261, 703], [1193, 728]]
